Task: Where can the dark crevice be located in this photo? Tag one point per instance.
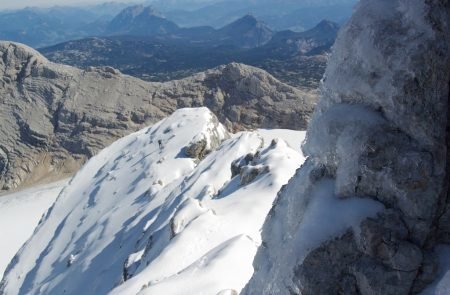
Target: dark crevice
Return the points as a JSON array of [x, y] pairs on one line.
[[4, 161], [447, 172], [55, 117], [436, 233]]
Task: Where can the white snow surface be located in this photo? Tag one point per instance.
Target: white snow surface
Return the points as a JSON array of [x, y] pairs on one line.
[[320, 216], [143, 219], [20, 213], [293, 138], [327, 217]]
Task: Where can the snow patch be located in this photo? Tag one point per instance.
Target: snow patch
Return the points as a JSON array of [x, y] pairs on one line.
[[20, 213], [327, 217]]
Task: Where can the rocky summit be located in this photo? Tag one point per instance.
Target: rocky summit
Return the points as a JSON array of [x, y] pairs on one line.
[[54, 117], [377, 175]]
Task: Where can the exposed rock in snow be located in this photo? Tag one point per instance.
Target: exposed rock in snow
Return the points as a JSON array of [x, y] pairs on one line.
[[379, 132], [144, 218], [54, 117]]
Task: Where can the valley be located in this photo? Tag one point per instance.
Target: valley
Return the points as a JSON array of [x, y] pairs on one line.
[[146, 43], [298, 59]]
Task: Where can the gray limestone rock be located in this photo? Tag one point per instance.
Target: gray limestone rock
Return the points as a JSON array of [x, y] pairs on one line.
[[197, 150], [249, 173], [380, 131], [238, 164], [54, 117]]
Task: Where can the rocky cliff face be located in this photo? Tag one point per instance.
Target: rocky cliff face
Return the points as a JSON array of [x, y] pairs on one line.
[[54, 116], [380, 132]]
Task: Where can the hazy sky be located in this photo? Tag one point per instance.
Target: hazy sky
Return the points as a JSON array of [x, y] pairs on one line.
[[7, 4], [13, 4]]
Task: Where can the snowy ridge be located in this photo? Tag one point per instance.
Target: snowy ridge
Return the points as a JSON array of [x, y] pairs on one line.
[[142, 217]]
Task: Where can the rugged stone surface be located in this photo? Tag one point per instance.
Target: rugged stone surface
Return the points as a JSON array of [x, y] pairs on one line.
[[249, 173], [380, 131], [54, 117], [238, 164]]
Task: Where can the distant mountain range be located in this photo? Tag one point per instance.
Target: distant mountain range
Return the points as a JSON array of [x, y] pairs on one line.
[[295, 58], [246, 32], [146, 42], [41, 27], [315, 41], [298, 15]]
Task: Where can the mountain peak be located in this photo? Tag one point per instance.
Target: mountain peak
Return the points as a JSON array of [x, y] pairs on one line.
[[154, 195], [327, 25], [18, 60], [248, 19], [19, 51], [251, 28], [132, 10], [136, 10], [150, 10], [140, 20]]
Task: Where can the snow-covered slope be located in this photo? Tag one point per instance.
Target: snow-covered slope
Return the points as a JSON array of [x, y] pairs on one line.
[[19, 215], [155, 213]]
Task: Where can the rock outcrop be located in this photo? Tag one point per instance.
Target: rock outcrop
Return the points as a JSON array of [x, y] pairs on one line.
[[380, 132], [54, 117]]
